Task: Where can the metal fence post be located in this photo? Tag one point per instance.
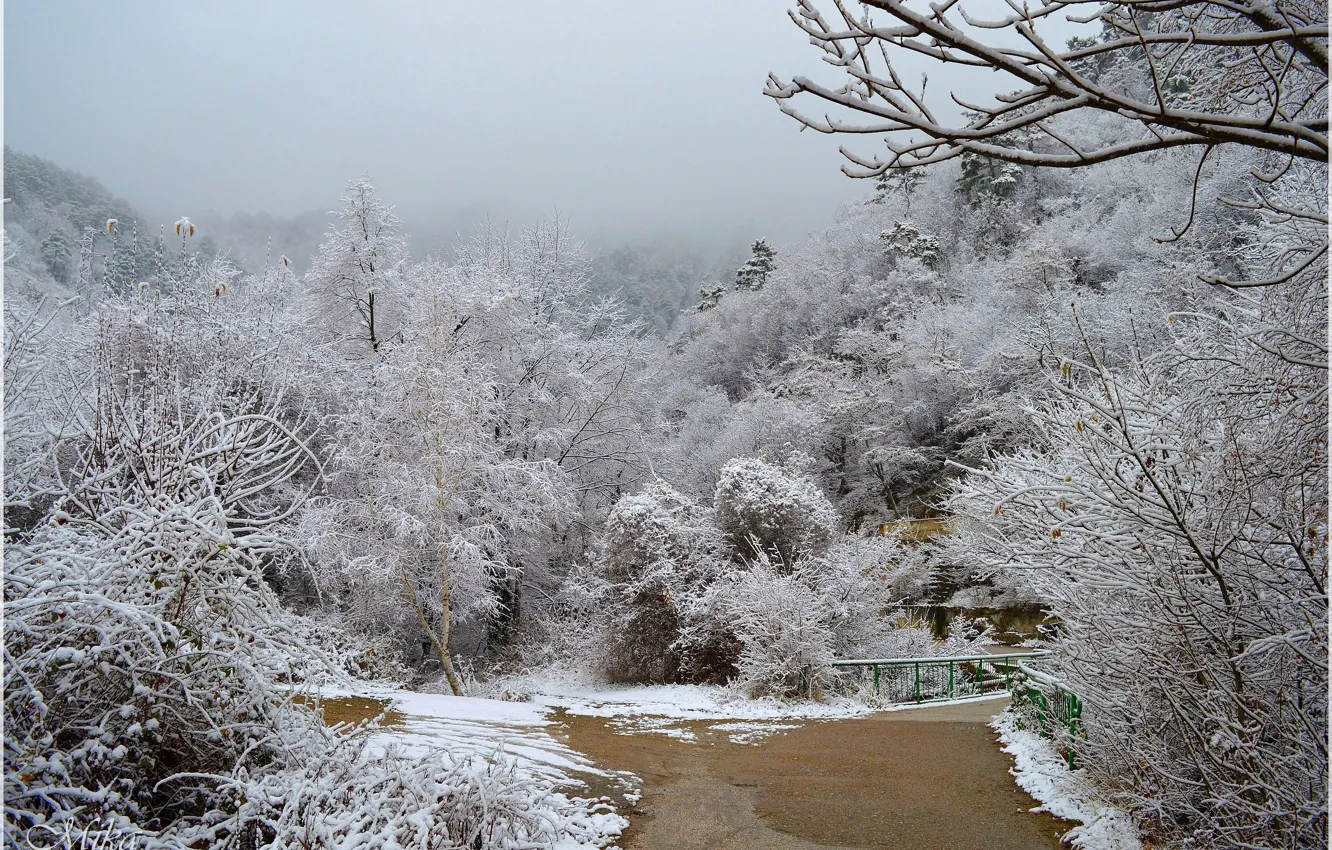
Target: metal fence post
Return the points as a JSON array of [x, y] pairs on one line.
[[917, 681], [950, 680], [1074, 721]]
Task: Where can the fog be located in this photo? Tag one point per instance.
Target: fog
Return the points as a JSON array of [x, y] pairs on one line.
[[634, 119]]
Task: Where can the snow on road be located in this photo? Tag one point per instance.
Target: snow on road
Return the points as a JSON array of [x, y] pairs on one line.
[[525, 731], [462, 727], [676, 710], [1042, 773]]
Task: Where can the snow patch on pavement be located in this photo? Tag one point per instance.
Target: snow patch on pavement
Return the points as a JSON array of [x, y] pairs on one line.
[[578, 695], [694, 714], [1043, 773], [459, 728], [751, 733]]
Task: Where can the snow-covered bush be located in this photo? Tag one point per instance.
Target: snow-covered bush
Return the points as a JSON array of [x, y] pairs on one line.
[[658, 555], [790, 624], [30, 352], [142, 643], [134, 660], [336, 791], [782, 625], [897, 571], [149, 665], [135, 714], [766, 509]]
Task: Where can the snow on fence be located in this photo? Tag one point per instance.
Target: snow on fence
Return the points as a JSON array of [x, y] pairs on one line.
[[1058, 710], [921, 680]]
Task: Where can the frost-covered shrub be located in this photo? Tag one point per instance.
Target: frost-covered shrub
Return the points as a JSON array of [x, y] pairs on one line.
[[139, 710], [142, 643], [337, 792], [131, 659], [658, 528], [898, 572], [768, 509], [147, 673], [782, 625], [658, 553], [790, 624]]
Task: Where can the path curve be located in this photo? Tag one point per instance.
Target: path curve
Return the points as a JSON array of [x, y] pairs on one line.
[[919, 779]]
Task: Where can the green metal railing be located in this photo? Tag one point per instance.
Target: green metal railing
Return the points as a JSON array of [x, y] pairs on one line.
[[1058, 711], [923, 680]]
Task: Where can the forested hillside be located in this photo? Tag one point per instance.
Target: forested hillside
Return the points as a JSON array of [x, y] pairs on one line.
[[228, 477]]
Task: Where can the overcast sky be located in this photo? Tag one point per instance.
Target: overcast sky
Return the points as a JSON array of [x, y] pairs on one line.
[[634, 118]]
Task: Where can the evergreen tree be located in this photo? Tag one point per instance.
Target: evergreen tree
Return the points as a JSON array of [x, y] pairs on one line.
[[709, 298], [897, 181], [754, 273], [56, 251]]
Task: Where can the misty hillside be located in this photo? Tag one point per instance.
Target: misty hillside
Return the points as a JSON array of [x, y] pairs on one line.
[[53, 209], [56, 219]]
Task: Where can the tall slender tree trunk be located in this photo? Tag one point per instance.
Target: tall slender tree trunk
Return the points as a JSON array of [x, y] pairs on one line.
[[439, 639], [442, 643], [374, 340]]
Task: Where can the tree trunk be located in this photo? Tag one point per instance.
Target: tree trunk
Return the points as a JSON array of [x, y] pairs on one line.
[[441, 640], [442, 645]]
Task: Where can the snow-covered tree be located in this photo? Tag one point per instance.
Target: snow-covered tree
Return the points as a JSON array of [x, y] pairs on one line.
[[426, 502], [1253, 74], [771, 510], [901, 181], [752, 276], [658, 555], [1173, 512], [356, 295], [709, 298], [906, 240]]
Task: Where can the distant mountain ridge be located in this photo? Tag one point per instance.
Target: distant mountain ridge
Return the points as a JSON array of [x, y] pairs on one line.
[[57, 236]]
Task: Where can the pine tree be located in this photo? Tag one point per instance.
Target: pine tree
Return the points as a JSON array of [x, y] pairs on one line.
[[897, 181], [56, 251], [709, 298], [754, 274]]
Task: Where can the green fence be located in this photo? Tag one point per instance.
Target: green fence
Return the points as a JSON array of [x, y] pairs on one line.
[[1058, 710], [922, 680]]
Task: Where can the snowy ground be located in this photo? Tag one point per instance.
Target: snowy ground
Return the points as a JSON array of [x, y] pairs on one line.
[[521, 726], [1043, 774], [676, 710], [464, 726]]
